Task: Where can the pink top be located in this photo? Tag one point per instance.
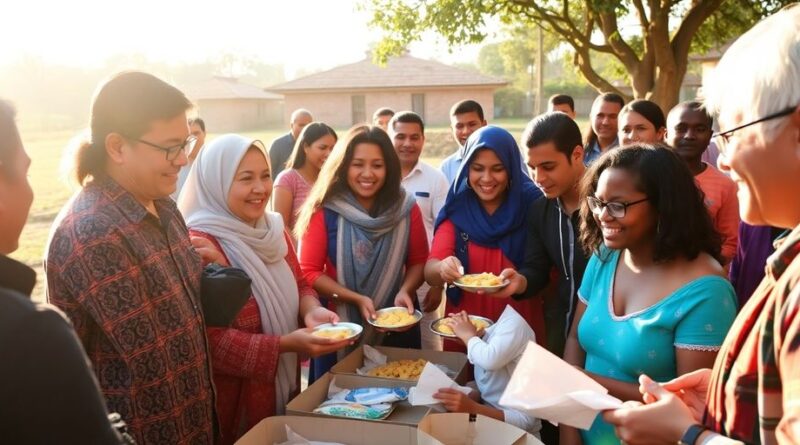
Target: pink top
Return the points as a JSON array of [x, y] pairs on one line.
[[293, 181], [723, 206]]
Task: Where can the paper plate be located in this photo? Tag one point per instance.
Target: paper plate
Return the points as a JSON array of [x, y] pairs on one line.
[[330, 330], [437, 324], [485, 289], [417, 315]]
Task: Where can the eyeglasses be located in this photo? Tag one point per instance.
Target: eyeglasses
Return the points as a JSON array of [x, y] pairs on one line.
[[723, 137], [173, 151], [615, 209]]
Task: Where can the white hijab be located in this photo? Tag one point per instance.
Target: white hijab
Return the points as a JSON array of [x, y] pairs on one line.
[[260, 251]]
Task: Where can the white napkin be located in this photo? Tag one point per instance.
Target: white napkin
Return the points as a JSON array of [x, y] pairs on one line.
[[547, 387], [296, 439], [430, 381], [372, 359]]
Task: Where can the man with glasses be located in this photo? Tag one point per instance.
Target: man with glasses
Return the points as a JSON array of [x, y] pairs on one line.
[[753, 393], [120, 264]]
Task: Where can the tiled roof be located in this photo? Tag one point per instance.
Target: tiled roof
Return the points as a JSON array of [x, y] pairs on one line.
[[220, 87], [400, 72]]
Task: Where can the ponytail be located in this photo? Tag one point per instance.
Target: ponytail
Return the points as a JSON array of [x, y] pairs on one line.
[[90, 161]]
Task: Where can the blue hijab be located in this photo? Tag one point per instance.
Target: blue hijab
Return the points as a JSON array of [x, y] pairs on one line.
[[505, 229]]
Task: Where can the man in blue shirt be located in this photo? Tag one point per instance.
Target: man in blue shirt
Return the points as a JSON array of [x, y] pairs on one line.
[[603, 131], [466, 116]]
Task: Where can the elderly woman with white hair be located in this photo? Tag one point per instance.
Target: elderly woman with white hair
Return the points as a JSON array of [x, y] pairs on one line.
[[254, 361]]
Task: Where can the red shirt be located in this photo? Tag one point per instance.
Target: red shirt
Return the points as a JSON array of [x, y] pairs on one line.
[[723, 205], [314, 260], [130, 283], [484, 259], [245, 361]]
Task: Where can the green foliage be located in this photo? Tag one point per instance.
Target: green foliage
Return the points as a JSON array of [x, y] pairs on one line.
[[731, 20], [608, 36], [510, 102], [490, 61]]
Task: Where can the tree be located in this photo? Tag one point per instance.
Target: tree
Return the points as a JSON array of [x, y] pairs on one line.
[[654, 54]]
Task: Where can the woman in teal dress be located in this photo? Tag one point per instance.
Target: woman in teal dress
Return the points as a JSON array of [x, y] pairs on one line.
[[653, 299]]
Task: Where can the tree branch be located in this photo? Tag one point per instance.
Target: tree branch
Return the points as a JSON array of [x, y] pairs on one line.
[[583, 62], [561, 24], [658, 33], [574, 38], [623, 51], [694, 19], [641, 13]]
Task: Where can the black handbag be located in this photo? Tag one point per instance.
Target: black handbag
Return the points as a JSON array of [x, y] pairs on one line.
[[223, 293]]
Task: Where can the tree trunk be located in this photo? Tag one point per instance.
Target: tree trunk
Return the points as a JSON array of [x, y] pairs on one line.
[[667, 89]]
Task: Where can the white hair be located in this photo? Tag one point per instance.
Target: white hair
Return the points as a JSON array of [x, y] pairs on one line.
[[760, 73], [301, 112]]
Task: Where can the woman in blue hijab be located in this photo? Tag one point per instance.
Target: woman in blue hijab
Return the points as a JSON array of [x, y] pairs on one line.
[[481, 228]]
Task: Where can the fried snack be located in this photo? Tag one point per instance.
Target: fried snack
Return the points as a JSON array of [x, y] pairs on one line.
[[445, 328], [334, 334], [400, 369], [481, 280], [393, 319]]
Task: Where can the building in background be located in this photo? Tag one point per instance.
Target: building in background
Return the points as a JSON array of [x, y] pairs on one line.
[[349, 94], [227, 105]]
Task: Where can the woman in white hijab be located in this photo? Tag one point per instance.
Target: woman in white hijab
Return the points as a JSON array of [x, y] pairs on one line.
[[255, 360]]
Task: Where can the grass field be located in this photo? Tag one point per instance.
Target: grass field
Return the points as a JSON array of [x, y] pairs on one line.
[[52, 189]]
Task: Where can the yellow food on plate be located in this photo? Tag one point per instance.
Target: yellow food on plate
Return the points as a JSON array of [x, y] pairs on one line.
[[334, 334], [399, 317], [445, 328], [481, 280], [400, 369]]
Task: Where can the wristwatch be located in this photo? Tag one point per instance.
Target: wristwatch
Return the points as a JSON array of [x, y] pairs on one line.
[[691, 434]]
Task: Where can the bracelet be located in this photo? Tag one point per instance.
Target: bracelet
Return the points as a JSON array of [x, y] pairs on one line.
[[691, 434]]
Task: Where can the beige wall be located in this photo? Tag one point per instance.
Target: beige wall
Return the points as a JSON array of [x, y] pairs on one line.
[[230, 115], [335, 108]]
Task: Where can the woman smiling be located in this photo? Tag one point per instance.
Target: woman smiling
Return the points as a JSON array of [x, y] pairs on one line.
[[653, 298], [482, 228], [255, 359], [362, 240]]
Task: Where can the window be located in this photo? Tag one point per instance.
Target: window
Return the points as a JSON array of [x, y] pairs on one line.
[[359, 109], [418, 104]]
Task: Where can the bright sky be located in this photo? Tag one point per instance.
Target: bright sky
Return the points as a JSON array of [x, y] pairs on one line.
[[309, 34]]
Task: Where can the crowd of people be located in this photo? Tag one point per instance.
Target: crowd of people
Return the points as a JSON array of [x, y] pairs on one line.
[[623, 250]]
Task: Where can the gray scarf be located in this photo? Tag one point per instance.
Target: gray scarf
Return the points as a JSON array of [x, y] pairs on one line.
[[370, 254]]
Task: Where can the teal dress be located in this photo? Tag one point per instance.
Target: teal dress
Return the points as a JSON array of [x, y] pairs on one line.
[[697, 316]]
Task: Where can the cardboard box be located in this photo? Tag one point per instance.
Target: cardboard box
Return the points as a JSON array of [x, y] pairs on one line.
[[403, 414], [455, 361], [272, 430], [435, 429], [465, 429]]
